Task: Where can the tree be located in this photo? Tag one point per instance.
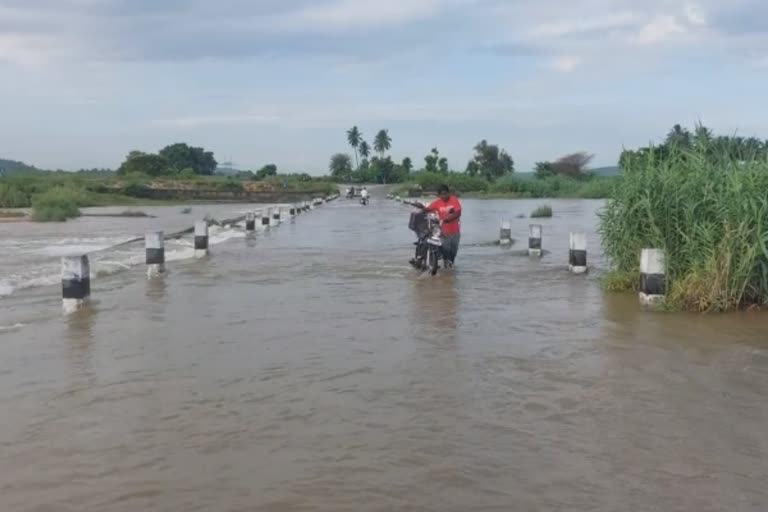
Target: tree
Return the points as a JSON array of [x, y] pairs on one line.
[[544, 169], [182, 156], [490, 162], [341, 167], [267, 170], [442, 165], [573, 165], [355, 138], [431, 160], [365, 150], [382, 143], [145, 163], [678, 136], [407, 165], [383, 169]]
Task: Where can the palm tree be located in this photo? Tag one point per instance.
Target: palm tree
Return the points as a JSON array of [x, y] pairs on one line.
[[354, 137], [382, 142], [365, 149], [679, 136]]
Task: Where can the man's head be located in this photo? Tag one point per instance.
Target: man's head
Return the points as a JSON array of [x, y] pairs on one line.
[[443, 192]]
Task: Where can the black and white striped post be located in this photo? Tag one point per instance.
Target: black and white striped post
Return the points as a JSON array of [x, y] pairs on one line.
[[154, 244], [505, 233], [250, 221], [305, 206], [201, 239], [577, 253], [653, 279], [276, 217], [534, 240], [75, 283], [292, 211], [265, 219]]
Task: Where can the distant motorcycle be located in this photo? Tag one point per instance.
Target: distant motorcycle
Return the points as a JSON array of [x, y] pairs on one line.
[[429, 247]]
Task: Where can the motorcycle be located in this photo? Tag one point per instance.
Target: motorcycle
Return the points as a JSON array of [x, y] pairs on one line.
[[429, 247], [364, 201]]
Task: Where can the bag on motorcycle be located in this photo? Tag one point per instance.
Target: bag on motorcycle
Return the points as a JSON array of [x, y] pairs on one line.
[[418, 222]]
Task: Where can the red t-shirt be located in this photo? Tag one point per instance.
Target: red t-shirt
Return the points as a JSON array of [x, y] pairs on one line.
[[443, 209]]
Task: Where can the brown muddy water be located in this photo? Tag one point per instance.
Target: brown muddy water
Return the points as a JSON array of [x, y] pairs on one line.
[[308, 368]]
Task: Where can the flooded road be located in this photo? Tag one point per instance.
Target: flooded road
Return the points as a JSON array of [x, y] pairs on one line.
[[309, 368]]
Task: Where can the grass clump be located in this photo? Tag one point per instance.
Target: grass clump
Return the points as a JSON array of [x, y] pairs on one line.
[[709, 212], [543, 211], [58, 204], [12, 196]]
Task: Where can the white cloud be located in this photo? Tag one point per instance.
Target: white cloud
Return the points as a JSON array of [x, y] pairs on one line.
[[565, 27], [566, 63], [358, 14], [694, 14], [661, 28]]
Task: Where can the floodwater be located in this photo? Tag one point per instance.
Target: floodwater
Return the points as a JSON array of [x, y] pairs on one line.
[[309, 368]]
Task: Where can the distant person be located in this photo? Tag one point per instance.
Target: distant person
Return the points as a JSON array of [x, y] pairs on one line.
[[448, 209], [352, 192]]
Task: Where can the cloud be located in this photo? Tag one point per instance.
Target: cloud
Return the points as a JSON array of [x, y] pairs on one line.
[[566, 63], [660, 29], [584, 25], [694, 14], [357, 14]]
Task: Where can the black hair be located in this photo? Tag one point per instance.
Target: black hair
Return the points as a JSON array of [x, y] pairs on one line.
[[443, 189]]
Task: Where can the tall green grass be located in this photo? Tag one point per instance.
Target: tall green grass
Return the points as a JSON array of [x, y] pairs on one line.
[[708, 212], [12, 196], [58, 204]]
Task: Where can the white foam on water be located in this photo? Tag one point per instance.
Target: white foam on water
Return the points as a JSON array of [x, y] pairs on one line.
[[103, 264], [14, 327], [6, 288]]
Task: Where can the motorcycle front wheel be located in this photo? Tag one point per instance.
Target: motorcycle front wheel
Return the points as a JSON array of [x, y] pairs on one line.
[[433, 261]]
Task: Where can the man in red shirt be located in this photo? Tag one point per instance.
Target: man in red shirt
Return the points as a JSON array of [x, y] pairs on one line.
[[448, 208]]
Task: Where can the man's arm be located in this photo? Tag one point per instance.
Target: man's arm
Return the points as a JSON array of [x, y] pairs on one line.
[[454, 214]]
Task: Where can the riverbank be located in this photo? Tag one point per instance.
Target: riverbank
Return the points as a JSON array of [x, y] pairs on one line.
[[57, 197]]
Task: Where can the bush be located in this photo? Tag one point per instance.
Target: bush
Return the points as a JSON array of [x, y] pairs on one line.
[[13, 197], [58, 204], [710, 216], [187, 174], [137, 190], [543, 211]]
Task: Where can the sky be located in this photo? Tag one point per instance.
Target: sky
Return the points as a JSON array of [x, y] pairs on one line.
[[83, 82]]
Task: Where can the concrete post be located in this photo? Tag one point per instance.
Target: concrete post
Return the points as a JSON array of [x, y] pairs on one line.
[[505, 233], [273, 217], [577, 254], [534, 240], [75, 283], [250, 221], [292, 211], [201, 239], [653, 280], [265, 218], [154, 243], [276, 215]]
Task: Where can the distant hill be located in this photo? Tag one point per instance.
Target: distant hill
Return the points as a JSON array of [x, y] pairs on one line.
[[612, 170], [12, 167]]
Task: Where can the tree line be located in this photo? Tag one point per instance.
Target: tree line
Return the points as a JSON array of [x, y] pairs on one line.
[[489, 161], [701, 140]]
